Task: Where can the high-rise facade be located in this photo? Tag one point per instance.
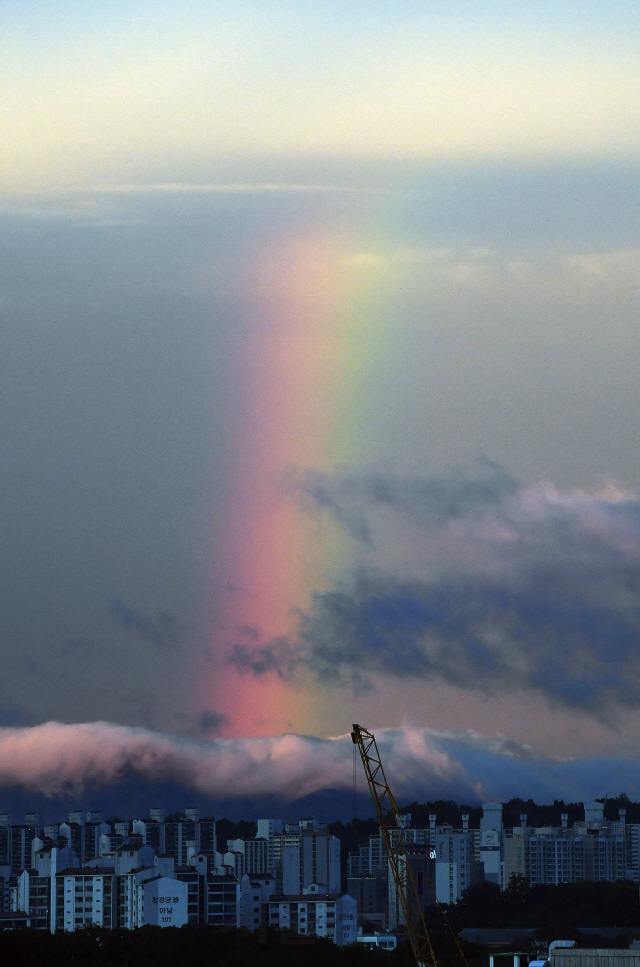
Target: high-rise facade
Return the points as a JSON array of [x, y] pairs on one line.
[[314, 858], [593, 849], [455, 867]]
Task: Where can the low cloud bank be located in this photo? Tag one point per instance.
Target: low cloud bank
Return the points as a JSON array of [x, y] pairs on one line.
[[55, 759]]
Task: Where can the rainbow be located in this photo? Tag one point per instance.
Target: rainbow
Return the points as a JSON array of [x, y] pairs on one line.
[[308, 363]]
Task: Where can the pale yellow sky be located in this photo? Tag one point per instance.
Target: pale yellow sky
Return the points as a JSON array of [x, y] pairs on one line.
[[121, 99]]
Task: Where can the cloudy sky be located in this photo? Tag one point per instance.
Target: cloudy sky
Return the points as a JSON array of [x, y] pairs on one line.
[[319, 392]]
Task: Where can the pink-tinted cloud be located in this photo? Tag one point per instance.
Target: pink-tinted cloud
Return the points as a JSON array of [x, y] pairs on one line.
[[56, 759]]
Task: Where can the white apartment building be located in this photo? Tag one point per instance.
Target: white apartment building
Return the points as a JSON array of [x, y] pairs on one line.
[[491, 841], [130, 899], [316, 912], [455, 867], [83, 833], [33, 896], [269, 830], [555, 856], [370, 857], [164, 902], [116, 894], [84, 896]]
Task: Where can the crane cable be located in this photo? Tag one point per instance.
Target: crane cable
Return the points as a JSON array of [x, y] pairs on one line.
[[355, 778]]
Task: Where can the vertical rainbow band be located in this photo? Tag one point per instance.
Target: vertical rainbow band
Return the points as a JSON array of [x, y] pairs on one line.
[[308, 362]]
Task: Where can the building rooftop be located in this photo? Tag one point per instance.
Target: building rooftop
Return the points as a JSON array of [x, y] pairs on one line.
[[304, 897], [87, 871]]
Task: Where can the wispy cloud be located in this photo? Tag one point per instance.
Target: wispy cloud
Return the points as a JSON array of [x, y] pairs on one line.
[[102, 203], [182, 188], [556, 273]]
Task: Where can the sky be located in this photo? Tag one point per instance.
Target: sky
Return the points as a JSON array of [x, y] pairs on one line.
[[319, 394]]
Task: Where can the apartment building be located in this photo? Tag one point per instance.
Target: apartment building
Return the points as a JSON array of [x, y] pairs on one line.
[[421, 866], [593, 849], [455, 866], [316, 912], [84, 896], [222, 905], [255, 853], [178, 834], [255, 893]]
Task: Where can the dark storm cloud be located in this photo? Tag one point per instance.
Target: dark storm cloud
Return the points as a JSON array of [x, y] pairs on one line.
[[280, 656], [164, 631], [489, 587], [488, 637], [211, 722]]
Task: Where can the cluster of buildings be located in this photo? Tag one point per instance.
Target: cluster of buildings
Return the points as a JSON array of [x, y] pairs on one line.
[[591, 849], [172, 870], [445, 861], [168, 871]]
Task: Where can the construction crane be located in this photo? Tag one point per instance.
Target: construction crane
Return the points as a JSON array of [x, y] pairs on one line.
[[392, 830]]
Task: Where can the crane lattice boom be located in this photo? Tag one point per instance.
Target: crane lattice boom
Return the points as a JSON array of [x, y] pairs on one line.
[[393, 837]]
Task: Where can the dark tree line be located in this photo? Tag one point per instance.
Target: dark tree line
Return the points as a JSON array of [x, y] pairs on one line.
[[558, 911], [227, 829], [202, 946]]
